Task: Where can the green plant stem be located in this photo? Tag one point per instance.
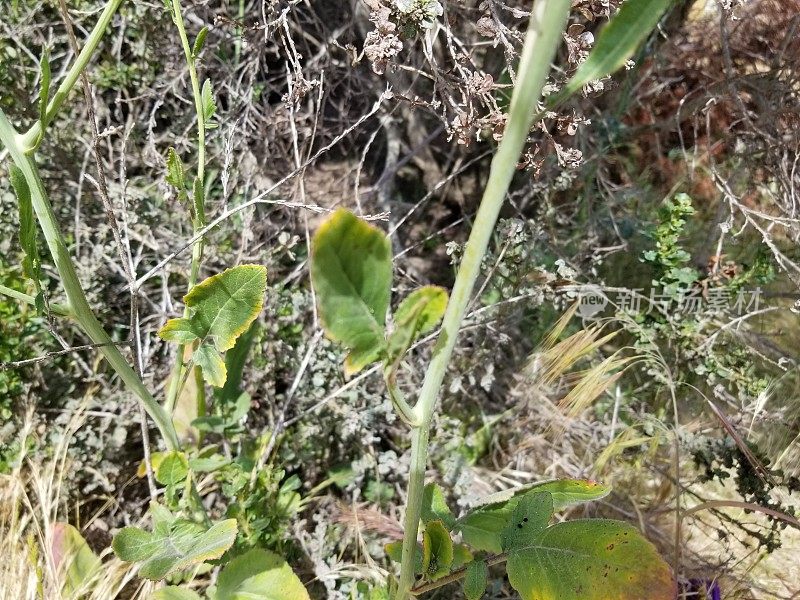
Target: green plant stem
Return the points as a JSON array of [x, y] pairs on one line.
[[544, 35], [78, 304], [200, 401], [198, 222], [28, 140], [401, 405], [177, 17], [59, 309]]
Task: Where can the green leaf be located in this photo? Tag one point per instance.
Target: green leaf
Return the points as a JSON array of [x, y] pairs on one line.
[[419, 313], [590, 559], [259, 575], [617, 42], [74, 559], [175, 593], [394, 550], [475, 580], [172, 468], [209, 105], [224, 305], [481, 527], [199, 42], [235, 360], [155, 460], [422, 309], [241, 406], [351, 269], [132, 544], [434, 506], [163, 519], [176, 172], [210, 362], [437, 550], [565, 492], [380, 593], [173, 546], [180, 331], [221, 308], [461, 556], [31, 263], [212, 424], [199, 200], [531, 515], [342, 475], [44, 86], [209, 464]]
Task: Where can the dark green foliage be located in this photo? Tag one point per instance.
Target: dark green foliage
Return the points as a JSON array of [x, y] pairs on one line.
[[722, 459]]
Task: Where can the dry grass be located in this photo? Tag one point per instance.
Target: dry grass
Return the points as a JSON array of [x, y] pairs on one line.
[[32, 511]]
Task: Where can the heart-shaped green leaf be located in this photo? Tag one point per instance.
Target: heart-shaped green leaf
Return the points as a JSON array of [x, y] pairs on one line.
[[351, 269], [172, 468], [173, 546], [259, 575], [481, 526], [221, 308], [589, 559]]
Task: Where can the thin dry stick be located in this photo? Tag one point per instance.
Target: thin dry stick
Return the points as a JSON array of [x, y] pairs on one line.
[[748, 506], [301, 183], [53, 354]]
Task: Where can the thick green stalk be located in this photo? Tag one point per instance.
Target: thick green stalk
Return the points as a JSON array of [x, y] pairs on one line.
[[544, 35], [199, 221], [79, 306], [29, 139]]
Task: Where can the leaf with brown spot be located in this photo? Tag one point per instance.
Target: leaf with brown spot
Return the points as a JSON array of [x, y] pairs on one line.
[[590, 559]]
